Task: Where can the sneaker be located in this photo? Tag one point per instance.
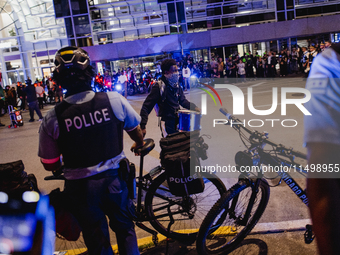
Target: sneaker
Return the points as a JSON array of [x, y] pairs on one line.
[[1, 125], [31, 120], [40, 119]]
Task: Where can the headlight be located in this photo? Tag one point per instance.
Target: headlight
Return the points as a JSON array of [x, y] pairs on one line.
[[118, 87]]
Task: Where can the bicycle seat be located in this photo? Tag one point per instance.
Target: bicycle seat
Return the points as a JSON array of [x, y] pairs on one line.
[[147, 147]]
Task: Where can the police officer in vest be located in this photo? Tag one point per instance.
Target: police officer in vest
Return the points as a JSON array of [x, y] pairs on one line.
[[87, 130], [167, 96]]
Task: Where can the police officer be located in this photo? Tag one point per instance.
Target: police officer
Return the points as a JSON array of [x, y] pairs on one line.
[[87, 130], [322, 139], [167, 96]]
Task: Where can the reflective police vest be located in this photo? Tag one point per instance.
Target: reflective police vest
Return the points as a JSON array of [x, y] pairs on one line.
[[89, 133]]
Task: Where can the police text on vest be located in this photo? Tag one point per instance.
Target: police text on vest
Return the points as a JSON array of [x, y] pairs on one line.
[[89, 120]]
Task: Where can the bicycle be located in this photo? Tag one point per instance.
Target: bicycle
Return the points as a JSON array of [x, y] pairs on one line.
[[236, 213], [172, 216]]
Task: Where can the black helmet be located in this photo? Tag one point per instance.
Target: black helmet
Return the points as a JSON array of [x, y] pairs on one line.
[[71, 58]]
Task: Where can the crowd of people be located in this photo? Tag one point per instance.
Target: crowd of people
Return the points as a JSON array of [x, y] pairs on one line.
[[270, 64], [46, 92], [251, 65]]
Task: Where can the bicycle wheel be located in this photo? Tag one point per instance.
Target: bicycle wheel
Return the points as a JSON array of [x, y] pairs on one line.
[[222, 230], [188, 212]]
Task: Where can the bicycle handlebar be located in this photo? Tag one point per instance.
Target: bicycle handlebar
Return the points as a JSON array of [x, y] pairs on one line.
[[262, 137]]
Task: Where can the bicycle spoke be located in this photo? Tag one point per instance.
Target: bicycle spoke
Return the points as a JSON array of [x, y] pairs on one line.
[[222, 229], [188, 212]]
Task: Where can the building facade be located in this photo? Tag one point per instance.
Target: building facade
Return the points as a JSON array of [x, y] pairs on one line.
[[139, 33]]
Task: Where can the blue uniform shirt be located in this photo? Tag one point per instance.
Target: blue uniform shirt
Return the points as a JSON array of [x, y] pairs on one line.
[[323, 125], [49, 133]]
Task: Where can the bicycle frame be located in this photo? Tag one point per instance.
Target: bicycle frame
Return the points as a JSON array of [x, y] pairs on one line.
[[266, 158], [292, 184], [243, 205]]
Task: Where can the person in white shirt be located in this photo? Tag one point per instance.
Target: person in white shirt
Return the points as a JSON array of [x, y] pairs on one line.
[[40, 95], [122, 79], [186, 77]]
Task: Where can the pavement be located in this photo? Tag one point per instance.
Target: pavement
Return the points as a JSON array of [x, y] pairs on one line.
[[280, 230], [266, 238], [285, 243]]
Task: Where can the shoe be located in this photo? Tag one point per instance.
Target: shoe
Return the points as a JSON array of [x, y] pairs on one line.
[[31, 120], [1, 125], [40, 119]]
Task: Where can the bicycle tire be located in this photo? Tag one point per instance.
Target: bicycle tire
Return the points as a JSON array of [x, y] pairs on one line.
[[193, 208], [220, 232]]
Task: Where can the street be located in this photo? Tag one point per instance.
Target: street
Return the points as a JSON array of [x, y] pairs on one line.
[[224, 142]]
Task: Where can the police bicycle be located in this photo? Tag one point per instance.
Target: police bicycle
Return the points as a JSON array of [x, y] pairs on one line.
[[236, 213], [172, 216]]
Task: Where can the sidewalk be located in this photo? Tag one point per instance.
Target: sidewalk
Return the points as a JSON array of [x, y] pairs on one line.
[[285, 243]]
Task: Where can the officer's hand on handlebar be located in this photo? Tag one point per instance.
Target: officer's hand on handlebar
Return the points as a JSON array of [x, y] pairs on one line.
[[197, 109], [144, 132], [135, 147]]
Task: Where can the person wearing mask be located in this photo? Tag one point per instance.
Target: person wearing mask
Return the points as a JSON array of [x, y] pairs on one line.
[[168, 96], [93, 167]]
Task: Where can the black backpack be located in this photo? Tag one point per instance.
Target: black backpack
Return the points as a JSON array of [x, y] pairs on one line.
[[179, 158], [14, 180]]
